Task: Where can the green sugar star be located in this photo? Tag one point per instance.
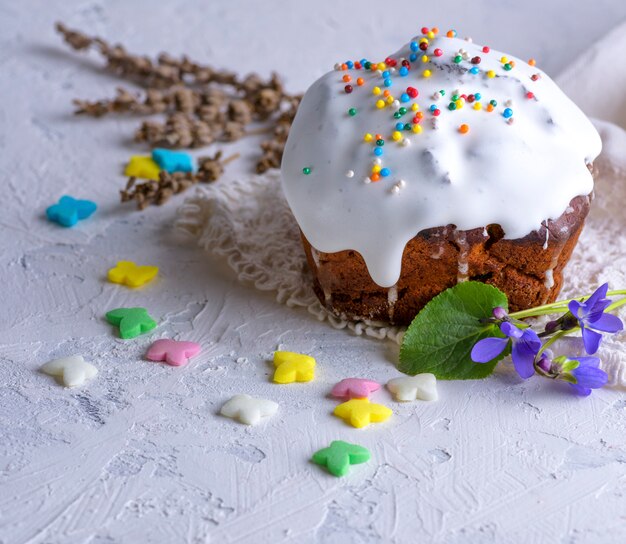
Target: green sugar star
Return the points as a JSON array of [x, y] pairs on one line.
[[131, 321], [338, 457]]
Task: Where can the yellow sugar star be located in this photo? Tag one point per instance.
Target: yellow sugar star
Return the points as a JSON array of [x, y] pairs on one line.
[[142, 167], [128, 273], [293, 367], [361, 412]]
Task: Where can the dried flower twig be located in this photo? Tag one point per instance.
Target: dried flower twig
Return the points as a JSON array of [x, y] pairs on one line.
[[201, 106]]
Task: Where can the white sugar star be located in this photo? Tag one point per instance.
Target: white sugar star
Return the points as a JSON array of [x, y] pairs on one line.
[[73, 371], [248, 410], [422, 387]]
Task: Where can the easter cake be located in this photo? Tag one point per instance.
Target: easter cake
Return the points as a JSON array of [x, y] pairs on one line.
[[446, 162]]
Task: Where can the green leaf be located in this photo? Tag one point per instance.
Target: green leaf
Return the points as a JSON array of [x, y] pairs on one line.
[[441, 337]]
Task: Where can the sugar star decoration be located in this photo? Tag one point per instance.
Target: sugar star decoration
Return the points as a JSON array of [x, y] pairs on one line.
[[68, 211], [173, 352], [142, 167], [132, 275], [354, 388], [172, 161], [361, 412], [293, 367], [131, 321], [418, 387], [338, 457], [248, 410], [73, 371]]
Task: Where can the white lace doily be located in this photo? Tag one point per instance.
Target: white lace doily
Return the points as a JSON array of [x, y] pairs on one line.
[[248, 222]]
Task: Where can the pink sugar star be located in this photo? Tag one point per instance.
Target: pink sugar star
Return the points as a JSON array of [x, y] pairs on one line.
[[173, 352], [354, 388]]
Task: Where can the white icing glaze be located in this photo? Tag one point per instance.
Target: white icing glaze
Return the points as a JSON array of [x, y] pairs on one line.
[[515, 175]]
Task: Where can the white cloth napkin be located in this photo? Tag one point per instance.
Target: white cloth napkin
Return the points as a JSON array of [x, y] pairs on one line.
[[248, 222]]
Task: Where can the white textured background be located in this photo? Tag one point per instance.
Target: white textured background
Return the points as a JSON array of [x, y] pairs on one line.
[[139, 455]]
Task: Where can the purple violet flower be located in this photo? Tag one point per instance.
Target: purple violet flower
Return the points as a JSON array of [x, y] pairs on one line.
[[588, 376], [526, 345], [590, 315]]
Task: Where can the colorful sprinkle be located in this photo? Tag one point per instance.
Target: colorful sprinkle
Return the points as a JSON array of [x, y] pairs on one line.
[[306, 170], [491, 74], [352, 112], [464, 129], [427, 73], [348, 89], [385, 172], [508, 112]]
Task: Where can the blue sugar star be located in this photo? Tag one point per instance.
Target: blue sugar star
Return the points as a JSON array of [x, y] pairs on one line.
[[172, 161], [69, 211]]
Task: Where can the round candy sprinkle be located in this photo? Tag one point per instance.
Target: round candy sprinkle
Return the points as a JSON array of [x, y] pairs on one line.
[[404, 71], [459, 103], [386, 73], [367, 137], [423, 46], [350, 174], [397, 115], [417, 129], [399, 126], [476, 60], [504, 60], [458, 59], [532, 62], [425, 30], [407, 126], [425, 58], [412, 57], [348, 88], [380, 104], [415, 107], [474, 70], [478, 106], [478, 96], [306, 170], [385, 172], [404, 97], [377, 161], [402, 111], [360, 81], [491, 74], [378, 151], [347, 78], [464, 129], [389, 100], [376, 168], [436, 112], [451, 34], [530, 95], [387, 82], [414, 46], [490, 107], [375, 177], [427, 73], [376, 90], [508, 112], [438, 52], [535, 77], [508, 66], [412, 92], [486, 49], [396, 135], [352, 112], [380, 142], [350, 64], [452, 106]]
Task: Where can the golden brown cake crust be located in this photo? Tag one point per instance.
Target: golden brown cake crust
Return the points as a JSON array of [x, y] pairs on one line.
[[529, 270]]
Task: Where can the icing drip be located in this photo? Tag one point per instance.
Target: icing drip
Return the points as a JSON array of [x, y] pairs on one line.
[[392, 298], [463, 265], [477, 168], [316, 259]]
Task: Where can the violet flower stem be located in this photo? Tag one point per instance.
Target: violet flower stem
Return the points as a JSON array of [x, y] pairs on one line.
[[561, 305], [556, 337]]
